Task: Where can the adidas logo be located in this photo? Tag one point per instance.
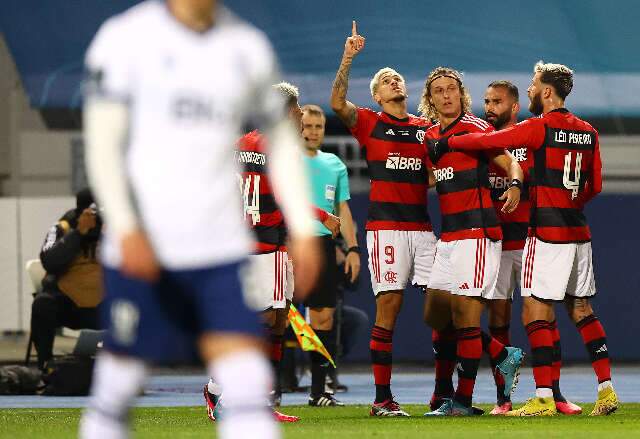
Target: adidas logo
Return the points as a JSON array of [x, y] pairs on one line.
[[459, 367], [602, 349], [464, 286], [390, 132]]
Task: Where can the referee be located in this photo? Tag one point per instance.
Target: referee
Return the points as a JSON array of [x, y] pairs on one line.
[[330, 192]]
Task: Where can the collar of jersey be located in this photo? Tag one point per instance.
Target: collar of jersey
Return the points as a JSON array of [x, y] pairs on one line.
[[559, 110], [452, 124], [397, 119]]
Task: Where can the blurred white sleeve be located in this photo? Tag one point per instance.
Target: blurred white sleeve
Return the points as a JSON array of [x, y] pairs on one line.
[[105, 133], [267, 112], [289, 179]]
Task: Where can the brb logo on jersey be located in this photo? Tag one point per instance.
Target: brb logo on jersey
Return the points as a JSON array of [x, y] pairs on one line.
[[444, 173], [396, 161]]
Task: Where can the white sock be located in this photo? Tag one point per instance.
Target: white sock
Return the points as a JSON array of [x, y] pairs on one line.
[[544, 392], [603, 385], [214, 388], [116, 382], [246, 379]]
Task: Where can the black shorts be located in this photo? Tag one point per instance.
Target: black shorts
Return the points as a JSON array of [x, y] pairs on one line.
[[325, 293]]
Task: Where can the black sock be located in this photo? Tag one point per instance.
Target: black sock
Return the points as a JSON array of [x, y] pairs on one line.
[[319, 364]]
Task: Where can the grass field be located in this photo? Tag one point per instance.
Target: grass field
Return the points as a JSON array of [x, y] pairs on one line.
[[343, 422]]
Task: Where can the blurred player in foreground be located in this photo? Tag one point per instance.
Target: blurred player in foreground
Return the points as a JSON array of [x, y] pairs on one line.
[[162, 115], [501, 107], [400, 239], [557, 258]]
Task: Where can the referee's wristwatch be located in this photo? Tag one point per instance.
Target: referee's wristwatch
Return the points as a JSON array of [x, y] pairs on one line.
[[354, 249]]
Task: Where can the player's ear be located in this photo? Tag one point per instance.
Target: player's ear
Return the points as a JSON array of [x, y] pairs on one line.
[[516, 107]]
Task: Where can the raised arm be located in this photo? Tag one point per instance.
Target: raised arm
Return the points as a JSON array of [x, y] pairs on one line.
[[346, 110]]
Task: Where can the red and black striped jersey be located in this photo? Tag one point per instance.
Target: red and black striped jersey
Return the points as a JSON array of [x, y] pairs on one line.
[[462, 183], [566, 172], [260, 208], [516, 223], [396, 158]]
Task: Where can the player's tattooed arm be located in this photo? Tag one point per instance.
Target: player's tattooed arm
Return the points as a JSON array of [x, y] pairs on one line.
[[346, 110]]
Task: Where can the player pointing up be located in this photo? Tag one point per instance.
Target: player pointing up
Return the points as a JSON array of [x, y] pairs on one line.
[[400, 239]]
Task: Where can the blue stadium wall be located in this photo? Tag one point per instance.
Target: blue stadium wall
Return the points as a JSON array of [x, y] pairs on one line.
[[616, 239], [486, 40]]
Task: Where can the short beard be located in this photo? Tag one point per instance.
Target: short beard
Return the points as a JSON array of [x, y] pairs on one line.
[[501, 120], [535, 104]]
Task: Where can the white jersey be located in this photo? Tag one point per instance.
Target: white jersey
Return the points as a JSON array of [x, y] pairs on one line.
[[189, 95]]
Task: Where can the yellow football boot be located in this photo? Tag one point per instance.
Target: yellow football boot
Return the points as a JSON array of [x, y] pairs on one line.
[[535, 407], [607, 402]]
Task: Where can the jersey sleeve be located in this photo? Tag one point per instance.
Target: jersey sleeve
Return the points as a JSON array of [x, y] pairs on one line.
[[364, 124], [594, 184], [529, 133], [342, 191], [108, 63]]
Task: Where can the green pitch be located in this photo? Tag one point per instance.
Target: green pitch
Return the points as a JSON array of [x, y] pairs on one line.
[[343, 422]]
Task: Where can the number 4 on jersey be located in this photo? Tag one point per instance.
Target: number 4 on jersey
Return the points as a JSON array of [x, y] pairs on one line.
[[572, 185], [250, 190]]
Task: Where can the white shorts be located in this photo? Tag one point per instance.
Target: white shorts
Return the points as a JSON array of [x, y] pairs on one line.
[[468, 267], [549, 271], [508, 275], [397, 256], [268, 281]]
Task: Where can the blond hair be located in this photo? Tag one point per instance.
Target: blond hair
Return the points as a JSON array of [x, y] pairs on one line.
[[559, 76], [375, 81], [426, 107], [288, 91]]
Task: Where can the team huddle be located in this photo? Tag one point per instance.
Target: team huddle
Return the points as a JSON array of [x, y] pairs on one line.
[[511, 196], [504, 192]]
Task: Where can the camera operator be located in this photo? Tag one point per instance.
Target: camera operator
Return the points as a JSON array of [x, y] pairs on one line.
[[72, 288]]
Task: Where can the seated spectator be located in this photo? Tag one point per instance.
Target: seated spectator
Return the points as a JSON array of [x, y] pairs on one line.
[[72, 288]]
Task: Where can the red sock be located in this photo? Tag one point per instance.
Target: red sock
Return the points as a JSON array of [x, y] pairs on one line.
[[444, 349], [381, 361], [493, 348], [469, 353], [275, 356], [275, 347], [541, 341], [595, 341], [501, 333]]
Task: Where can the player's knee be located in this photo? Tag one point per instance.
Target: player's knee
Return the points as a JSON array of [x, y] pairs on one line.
[[578, 308], [387, 309]]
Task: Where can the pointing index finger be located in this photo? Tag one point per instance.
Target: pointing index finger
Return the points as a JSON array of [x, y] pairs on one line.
[[354, 30]]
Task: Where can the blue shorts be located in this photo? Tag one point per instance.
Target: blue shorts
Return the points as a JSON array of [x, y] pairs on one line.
[[160, 322]]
